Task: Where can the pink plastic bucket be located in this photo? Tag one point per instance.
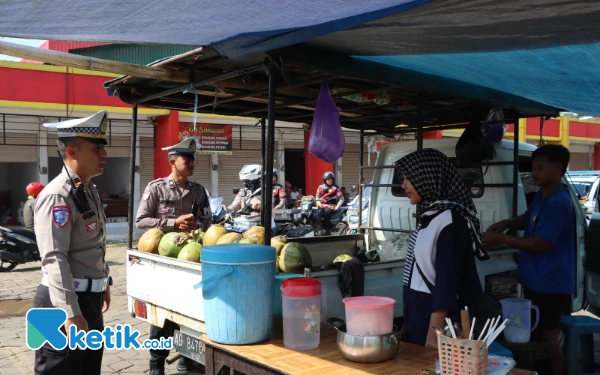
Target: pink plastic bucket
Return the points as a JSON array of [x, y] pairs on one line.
[[369, 315]]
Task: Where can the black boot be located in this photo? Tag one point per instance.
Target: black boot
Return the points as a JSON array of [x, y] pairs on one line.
[[186, 364]]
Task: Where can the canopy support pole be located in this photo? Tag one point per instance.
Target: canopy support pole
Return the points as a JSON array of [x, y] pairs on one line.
[[132, 150], [515, 192], [420, 122], [263, 149], [360, 178], [267, 204]]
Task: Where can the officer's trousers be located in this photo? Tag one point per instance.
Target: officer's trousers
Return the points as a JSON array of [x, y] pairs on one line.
[[49, 361]]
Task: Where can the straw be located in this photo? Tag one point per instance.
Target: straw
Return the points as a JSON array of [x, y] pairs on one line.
[[449, 322], [496, 333], [483, 330], [492, 327], [472, 326]]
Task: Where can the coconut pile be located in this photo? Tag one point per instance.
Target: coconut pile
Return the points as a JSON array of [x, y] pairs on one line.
[[291, 256]]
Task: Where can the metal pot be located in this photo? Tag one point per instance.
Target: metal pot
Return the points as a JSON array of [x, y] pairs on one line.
[[365, 349]]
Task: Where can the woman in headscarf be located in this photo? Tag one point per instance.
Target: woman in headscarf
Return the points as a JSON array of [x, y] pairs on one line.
[[440, 276]]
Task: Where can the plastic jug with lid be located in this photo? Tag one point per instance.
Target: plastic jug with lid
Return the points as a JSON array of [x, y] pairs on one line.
[[518, 310], [303, 308]]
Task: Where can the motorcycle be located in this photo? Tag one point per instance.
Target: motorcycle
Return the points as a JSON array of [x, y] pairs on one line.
[[313, 217], [17, 246], [292, 223]]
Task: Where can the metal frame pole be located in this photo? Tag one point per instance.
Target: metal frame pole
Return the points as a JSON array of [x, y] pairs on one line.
[[420, 123], [515, 192], [263, 149], [360, 178], [267, 205], [130, 217]]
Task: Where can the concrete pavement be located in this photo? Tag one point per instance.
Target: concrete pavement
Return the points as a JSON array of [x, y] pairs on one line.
[[17, 289]]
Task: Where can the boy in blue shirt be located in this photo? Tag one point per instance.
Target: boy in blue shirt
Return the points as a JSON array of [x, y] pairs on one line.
[[547, 250]]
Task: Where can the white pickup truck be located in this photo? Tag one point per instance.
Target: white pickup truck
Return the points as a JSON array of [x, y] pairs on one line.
[[161, 288]]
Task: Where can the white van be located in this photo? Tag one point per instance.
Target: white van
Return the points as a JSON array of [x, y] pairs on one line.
[[586, 185]]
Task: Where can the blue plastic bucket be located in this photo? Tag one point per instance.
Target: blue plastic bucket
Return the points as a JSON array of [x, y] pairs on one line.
[[238, 283]]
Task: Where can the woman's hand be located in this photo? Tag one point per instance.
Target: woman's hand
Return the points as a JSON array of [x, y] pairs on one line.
[[432, 341]]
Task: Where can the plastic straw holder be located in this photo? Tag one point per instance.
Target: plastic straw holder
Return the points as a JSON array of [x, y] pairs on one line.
[[462, 357]]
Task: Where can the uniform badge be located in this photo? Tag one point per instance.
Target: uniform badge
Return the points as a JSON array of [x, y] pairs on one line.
[[61, 215], [92, 226], [146, 195]]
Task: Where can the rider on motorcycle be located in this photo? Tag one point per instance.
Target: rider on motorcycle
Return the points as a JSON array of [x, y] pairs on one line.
[[329, 199], [250, 194], [33, 190], [279, 194]]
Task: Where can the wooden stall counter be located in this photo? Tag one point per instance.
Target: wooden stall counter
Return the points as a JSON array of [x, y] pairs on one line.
[[271, 357]]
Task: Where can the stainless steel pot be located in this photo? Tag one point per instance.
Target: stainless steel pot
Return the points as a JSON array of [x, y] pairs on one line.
[[365, 349]]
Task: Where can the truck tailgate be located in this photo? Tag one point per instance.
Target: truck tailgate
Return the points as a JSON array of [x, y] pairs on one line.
[[166, 283]]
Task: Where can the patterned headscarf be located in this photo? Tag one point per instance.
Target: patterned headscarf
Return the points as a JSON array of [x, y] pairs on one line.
[[439, 185]]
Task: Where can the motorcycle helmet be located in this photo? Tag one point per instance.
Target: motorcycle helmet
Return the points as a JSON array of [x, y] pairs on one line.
[[251, 175], [34, 188], [328, 175], [250, 172]]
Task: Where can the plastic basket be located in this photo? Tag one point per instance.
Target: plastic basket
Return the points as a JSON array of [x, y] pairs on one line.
[[462, 357]]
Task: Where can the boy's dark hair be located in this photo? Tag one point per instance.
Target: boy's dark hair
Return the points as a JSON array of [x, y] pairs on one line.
[[554, 154]]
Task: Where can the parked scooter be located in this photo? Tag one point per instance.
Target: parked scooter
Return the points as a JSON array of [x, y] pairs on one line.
[[17, 245]]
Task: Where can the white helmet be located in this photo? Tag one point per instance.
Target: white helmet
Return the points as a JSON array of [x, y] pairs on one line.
[[250, 172]]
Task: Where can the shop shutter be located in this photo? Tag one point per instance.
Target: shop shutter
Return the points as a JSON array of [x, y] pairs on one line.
[[119, 146], [19, 147], [351, 164], [230, 166], [202, 171], [146, 161]]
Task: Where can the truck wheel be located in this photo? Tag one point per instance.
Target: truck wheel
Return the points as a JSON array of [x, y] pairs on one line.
[[7, 266]]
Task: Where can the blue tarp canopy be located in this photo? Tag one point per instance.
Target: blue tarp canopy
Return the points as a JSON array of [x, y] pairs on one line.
[[544, 51]]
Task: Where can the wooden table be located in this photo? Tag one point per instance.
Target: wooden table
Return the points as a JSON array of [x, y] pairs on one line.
[[271, 357]]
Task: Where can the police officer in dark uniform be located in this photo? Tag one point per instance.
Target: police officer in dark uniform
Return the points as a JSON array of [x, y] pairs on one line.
[[167, 204], [71, 234]]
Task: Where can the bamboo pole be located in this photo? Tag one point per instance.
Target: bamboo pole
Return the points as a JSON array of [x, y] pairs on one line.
[[92, 63]]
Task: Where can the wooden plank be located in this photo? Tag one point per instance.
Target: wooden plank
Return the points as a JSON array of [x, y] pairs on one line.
[[326, 359]]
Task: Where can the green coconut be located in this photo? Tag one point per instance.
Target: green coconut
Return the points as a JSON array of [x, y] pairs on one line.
[[191, 252], [172, 243], [294, 258]]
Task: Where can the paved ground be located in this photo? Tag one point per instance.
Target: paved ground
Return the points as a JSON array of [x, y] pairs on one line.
[[21, 283]]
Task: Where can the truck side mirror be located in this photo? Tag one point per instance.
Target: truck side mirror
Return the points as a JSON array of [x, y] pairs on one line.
[[353, 189], [236, 191]]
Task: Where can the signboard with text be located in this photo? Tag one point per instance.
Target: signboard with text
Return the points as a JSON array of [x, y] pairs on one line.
[[210, 138]]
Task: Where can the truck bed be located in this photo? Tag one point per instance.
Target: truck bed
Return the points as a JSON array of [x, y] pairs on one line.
[[165, 285]]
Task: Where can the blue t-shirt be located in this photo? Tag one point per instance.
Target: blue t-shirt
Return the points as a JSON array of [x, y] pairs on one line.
[[553, 219]]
